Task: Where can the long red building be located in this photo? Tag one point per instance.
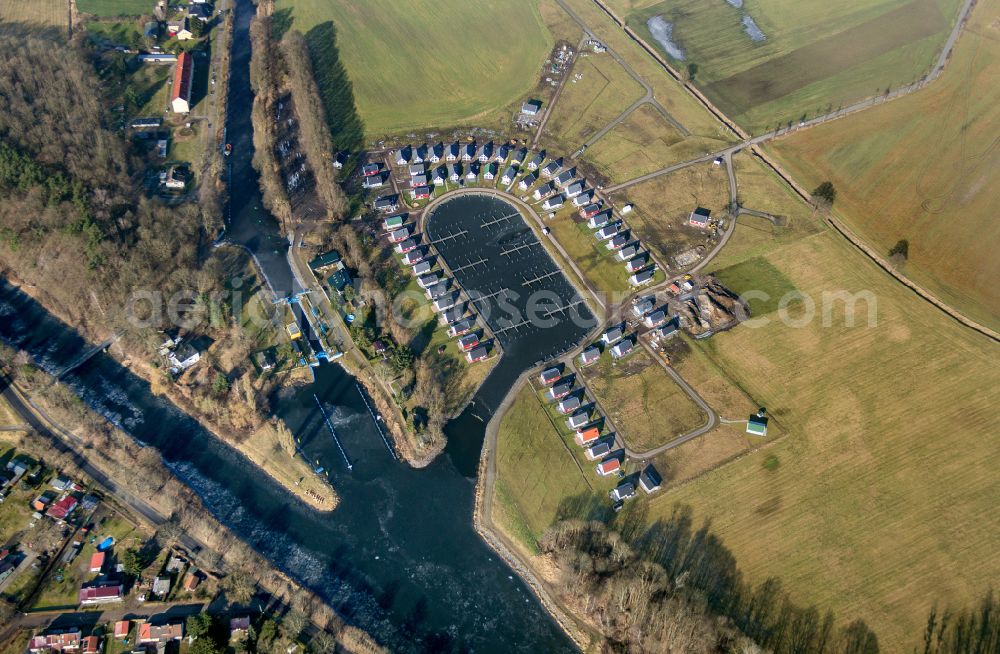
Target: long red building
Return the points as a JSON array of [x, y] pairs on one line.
[[180, 93]]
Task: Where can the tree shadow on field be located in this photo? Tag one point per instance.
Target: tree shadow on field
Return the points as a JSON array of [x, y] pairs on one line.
[[347, 130], [765, 612], [701, 568], [19, 30], [585, 506], [281, 22]]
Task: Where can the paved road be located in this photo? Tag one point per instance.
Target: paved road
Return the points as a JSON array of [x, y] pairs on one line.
[[41, 423], [555, 97], [713, 418], [775, 220], [647, 97]]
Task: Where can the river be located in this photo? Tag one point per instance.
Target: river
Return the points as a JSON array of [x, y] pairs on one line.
[[399, 557]]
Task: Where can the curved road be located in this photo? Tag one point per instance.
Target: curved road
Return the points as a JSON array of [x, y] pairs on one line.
[[510, 197], [710, 424], [647, 97]]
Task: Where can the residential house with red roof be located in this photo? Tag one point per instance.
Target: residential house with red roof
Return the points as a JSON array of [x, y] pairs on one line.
[[61, 509], [65, 641], [180, 92], [101, 593]]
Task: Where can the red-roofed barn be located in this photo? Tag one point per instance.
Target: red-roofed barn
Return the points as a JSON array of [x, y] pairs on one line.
[[180, 94]]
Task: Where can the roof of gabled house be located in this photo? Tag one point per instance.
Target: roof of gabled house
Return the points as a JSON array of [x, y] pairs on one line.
[[621, 348], [550, 375], [623, 491], [609, 465], [650, 479], [183, 76], [598, 450], [613, 334]]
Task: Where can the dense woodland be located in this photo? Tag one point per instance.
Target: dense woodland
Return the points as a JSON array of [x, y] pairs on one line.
[[314, 134], [74, 220], [77, 225], [266, 71], [673, 588]]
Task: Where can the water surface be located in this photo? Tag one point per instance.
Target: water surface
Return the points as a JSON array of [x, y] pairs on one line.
[[663, 33]]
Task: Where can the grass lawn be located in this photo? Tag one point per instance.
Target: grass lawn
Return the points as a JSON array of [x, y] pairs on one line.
[[642, 143], [539, 469], [663, 204], [62, 585], [597, 90], [814, 54], [116, 7], [884, 466], [685, 109], [411, 68], [759, 189], [924, 169], [15, 512], [50, 13], [187, 144], [599, 265], [17, 643], [125, 32], [8, 418], [767, 289], [152, 83], [646, 405]]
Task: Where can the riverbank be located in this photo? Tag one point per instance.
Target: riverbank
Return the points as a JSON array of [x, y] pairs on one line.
[[85, 444], [528, 566], [292, 473]]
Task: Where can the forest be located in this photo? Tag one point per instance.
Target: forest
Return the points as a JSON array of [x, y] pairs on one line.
[[75, 220], [674, 587]]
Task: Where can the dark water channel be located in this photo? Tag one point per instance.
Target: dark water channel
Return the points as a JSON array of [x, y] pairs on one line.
[[399, 557]]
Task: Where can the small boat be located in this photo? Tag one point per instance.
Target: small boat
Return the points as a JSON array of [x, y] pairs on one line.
[[229, 149]]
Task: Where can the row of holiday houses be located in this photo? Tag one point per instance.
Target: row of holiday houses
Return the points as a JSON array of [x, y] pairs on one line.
[[570, 401], [441, 290]]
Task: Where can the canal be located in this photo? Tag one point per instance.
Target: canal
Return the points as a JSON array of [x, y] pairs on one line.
[[399, 557]]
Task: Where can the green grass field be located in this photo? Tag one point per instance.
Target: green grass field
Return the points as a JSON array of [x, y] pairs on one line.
[[49, 13], [874, 494], [642, 143], [663, 204], [647, 406], [731, 403], [759, 189], [924, 168], [536, 470], [428, 63], [815, 53], [596, 92], [116, 7], [599, 265], [685, 109]]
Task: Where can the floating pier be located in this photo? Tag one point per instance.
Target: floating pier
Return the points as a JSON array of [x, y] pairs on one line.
[[329, 425]]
